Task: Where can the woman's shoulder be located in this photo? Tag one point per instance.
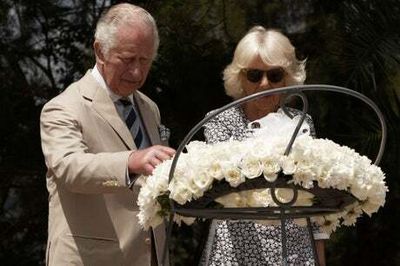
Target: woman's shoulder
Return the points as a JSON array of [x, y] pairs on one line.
[[229, 114]]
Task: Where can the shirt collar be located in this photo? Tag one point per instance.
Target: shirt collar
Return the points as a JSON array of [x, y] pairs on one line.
[[99, 78]]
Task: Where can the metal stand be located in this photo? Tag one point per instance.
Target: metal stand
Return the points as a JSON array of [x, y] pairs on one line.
[[328, 200]]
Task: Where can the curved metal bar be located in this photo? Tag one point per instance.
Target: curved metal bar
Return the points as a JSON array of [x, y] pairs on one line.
[[289, 203], [312, 240], [167, 238], [303, 116]]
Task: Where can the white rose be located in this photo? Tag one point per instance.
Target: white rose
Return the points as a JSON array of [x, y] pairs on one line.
[[288, 165], [215, 171], [180, 192], [271, 168], [203, 181], [251, 167], [233, 176]]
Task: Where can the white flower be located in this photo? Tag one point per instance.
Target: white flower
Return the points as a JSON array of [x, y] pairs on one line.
[[304, 176], [310, 162], [352, 212], [233, 175], [203, 181], [148, 217], [271, 168], [251, 167], [180, 192], [331, 223], [215, 171], [369, 207]]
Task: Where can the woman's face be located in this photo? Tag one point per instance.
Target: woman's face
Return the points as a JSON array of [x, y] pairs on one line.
[[259, 77]]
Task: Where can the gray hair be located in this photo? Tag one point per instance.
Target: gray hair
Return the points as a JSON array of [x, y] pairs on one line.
[[274, 48], [117, 15]]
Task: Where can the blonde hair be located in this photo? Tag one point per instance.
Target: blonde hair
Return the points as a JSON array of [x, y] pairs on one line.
[[117, 15], [274, 48]]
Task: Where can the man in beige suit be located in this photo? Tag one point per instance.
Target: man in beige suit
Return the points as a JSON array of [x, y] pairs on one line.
[[98, 137]]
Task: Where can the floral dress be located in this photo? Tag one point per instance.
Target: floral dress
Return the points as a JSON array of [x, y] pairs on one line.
[[246, 242]]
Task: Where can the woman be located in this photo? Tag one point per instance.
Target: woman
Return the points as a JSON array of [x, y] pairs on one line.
[[263, 60]]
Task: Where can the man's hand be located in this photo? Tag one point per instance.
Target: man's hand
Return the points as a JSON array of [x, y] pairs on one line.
[[144, 161]]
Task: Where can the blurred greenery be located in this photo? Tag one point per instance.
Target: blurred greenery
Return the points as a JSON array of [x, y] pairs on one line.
[[46, 44]]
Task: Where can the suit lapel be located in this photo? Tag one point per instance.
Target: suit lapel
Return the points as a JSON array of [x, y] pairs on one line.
[[104, 106], [147, 119]]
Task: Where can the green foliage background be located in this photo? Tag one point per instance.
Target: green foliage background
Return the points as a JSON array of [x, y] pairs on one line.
[[46, 44]]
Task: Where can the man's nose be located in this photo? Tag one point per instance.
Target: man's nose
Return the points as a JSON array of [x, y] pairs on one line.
[[135, 68]]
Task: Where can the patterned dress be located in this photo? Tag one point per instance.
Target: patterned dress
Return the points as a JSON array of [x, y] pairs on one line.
[[246, 242]]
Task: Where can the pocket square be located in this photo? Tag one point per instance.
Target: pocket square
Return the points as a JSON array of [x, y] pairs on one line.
[[165, 132]]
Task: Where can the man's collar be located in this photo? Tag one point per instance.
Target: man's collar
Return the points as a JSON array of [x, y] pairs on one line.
[[99, 78]]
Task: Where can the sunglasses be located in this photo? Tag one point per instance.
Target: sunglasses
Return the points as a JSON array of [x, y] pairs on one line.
[[274, 75]]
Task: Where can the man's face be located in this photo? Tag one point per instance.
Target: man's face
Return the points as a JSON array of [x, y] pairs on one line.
[[127, 64]]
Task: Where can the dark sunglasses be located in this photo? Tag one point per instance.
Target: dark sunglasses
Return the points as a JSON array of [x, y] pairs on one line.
[[274, 75]]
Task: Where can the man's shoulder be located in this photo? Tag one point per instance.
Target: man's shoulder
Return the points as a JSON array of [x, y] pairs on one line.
[[71, 94], [69, 99]]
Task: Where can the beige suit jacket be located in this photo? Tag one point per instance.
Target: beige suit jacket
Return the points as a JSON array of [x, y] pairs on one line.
[[92, 213]]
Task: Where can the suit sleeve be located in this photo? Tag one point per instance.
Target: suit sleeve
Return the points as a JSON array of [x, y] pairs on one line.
[[68, 158]]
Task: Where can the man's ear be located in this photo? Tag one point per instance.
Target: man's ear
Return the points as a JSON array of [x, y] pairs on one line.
[[98, 52]]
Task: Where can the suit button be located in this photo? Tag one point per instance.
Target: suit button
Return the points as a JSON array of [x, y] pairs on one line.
[[147, 241]]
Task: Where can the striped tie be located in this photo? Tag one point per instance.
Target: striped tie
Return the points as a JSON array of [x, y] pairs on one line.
[[132, 122]]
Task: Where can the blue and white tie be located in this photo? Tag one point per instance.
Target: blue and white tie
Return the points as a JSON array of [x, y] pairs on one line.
[[132, 122]]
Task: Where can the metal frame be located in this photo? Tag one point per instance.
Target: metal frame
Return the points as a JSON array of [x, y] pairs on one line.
[[332, 200]]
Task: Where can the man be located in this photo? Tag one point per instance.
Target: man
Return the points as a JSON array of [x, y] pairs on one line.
[[98, 137]]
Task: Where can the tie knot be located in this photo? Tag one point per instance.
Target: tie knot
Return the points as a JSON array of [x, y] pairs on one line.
[[125, 102]]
